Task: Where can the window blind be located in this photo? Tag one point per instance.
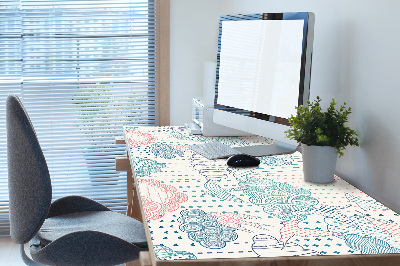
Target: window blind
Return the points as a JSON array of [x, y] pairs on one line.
[[82, 69]]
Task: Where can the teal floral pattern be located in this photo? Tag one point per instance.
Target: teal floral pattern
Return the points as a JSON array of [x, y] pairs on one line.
[[146, 167], [161, 150], [282, 200], [205, 229], [165, 253]]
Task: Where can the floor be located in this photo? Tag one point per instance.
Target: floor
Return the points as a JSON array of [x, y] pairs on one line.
[[10, 256], [9, 253]]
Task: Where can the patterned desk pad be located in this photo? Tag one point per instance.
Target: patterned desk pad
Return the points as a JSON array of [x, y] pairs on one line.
[[198, 208]]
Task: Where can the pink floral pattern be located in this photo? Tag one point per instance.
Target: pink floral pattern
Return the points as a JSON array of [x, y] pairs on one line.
[[158, 199], [243, 222], [138, 138]]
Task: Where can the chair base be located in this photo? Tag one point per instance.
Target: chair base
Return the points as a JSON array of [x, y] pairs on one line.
[[26, 259]]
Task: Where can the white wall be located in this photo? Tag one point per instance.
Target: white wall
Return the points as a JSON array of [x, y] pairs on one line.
[[194, 41], [356, 59]]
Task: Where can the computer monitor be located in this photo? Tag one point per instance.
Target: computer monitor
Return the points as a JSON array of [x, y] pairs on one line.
[[263, 73]]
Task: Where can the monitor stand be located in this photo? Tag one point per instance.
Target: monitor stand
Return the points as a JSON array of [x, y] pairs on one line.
[[277, 148]]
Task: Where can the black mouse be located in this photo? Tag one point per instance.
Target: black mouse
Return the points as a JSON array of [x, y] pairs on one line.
[[242, 160]]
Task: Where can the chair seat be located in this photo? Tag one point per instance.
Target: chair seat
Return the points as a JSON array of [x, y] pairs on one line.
[[107, 222]]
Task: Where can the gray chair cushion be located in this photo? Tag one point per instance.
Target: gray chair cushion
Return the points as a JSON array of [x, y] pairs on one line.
[[111, 223], [70, 204], [28, 176], [85, 248]]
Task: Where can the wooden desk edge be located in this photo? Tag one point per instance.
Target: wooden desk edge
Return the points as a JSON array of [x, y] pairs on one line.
[[325, 260], [150, 256]]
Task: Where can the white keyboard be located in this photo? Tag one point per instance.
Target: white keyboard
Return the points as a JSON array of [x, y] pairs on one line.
[[214, 150]]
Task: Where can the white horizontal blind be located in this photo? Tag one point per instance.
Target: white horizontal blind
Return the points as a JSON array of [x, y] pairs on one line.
[[10, 82], [82, 69]]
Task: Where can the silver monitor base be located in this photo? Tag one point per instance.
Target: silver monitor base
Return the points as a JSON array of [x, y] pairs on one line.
[[277, 148]]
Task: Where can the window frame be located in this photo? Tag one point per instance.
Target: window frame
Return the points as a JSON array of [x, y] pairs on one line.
[[163, 15]]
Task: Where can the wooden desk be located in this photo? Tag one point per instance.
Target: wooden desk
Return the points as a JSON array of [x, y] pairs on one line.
[[201, 212]]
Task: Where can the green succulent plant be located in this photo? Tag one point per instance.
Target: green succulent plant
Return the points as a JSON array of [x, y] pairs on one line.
[[312, 126]]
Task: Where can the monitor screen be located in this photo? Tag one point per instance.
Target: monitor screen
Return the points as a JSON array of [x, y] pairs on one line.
[[260, 63], [263, 71]]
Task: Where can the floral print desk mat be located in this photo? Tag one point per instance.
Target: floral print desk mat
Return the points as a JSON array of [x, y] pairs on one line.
[[198, 208]]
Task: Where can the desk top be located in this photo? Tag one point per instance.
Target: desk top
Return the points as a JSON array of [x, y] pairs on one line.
[[201, 209]]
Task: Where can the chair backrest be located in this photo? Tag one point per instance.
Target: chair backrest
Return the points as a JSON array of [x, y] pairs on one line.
[[29, 183]]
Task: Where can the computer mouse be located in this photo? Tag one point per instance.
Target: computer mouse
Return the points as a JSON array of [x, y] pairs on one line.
[[242, 160]]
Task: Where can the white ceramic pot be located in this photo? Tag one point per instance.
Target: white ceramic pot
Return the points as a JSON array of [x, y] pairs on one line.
[[319, 163]]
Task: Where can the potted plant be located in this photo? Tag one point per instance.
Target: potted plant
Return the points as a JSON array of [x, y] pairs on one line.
[[323, 135]]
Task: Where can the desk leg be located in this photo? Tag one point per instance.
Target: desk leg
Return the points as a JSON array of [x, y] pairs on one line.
[[133, 263], [122, 164], [133, 199], [144, 260], [129, 192]]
